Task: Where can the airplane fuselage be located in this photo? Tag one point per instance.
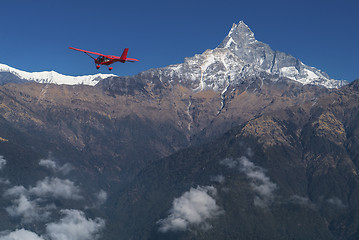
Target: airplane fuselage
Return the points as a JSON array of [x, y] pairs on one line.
[[108, 60]]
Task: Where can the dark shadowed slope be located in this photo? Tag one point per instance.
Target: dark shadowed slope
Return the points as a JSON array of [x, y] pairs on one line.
[[291, 174]]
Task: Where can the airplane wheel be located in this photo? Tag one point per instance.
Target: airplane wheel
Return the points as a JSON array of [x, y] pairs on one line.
[[98, 66], [110, 68]]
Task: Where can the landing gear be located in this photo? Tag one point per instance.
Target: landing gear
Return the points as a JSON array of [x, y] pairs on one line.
[[110, 68], [97, 66]]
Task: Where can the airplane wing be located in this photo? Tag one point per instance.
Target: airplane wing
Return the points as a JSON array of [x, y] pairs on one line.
[[88, 51]]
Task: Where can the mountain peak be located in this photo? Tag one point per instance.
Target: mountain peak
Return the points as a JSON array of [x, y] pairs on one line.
[[240, 34], [238, 60], [242, 43]]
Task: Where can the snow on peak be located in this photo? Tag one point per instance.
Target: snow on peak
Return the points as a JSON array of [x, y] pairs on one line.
[[54, 77], [240, 35], [239, 59], [241, 41]]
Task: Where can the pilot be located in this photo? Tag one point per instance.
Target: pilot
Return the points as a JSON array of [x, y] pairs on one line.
[[100, 59]]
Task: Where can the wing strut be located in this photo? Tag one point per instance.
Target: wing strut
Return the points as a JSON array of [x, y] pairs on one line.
[[89, 55]]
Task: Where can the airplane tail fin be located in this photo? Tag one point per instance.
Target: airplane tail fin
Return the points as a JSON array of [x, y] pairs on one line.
[[124, 54]]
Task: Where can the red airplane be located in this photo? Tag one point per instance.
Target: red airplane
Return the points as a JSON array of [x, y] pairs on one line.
[[107, 59]]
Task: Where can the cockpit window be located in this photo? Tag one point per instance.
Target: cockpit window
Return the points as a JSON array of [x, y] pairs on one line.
[[102, 59]]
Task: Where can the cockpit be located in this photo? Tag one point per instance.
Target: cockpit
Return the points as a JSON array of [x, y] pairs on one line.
[[102, 59]]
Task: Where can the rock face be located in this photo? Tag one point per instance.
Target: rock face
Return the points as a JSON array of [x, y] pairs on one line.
[[6, 77]]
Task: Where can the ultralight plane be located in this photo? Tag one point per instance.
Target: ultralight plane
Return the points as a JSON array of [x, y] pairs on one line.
[[107, 59]]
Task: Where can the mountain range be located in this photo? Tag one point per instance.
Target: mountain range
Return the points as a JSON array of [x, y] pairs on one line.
[[240, 142], [47, 77]]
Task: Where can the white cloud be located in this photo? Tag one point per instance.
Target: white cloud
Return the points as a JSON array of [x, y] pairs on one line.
[[21, 234], [35, 204], [219, 179], [75, 226], [296, 199], [193, 208], [29, 205], [51, 164], [336, 202], [48, 187], [48, 163], [23, 207], [101, 197], [66, 168], [15, 191], [28, 210], [2, 162], [250, 152], [229, 162], [260, 183], [58, 188], [4, 181]]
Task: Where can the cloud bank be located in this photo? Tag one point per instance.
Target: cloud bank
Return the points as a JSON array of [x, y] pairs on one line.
[[73, 226], [37, 203], [51, 164], [28, 210], [194, 208], [259, 181], [28, 203], [21, 234], [57, 188]]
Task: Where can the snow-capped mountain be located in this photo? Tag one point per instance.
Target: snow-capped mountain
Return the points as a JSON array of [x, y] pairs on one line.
[[54, 77], [239, 58]]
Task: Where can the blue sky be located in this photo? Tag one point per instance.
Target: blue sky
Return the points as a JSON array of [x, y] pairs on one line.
[[35, 35]]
